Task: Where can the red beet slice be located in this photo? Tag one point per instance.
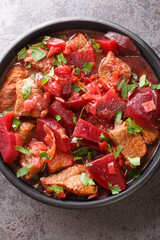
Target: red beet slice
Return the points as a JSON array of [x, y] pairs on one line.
[[88, 131], [107, 45], [106, 170]]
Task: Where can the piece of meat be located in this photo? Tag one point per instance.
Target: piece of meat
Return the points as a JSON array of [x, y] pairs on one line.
[[79, 41], [113, 70], [60, 160], [150, 134], [133, 144], [69, 179], [25, 130], [8, 91], [33, 158], [19, 111]]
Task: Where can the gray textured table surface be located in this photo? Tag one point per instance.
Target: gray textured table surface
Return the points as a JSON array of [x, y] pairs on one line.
[[134, 218]]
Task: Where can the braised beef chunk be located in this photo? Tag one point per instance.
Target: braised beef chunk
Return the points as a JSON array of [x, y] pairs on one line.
[[69, 179], [60, 160], [30, 98], [114, 70], [150, 135], [79, 41], [33, 158], [8, 91], [25, 130], [133, 144]]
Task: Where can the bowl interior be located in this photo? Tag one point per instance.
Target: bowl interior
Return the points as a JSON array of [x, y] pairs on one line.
[[78, 23]]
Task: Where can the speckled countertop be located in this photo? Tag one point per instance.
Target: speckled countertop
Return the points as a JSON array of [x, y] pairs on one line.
[[134, 218]]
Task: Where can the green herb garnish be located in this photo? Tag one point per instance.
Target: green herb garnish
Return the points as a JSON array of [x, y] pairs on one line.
[[24, 150], [58, 118], [143, 81], [78, 88], [117, 152], [81, 151], [74, 119], [22, 53], [57, 189], [114, 189], [26, 90], [15, 124], [28, 66], [155, 86], [104, 138], [78, 140], [91, 155], [23, 171], [118, 117], [135, 161], [44, 155], [87, 67], [7, 110], [37, 53], [60, 59], [133, 174], [133, 127], [77, 70], [80, 115], [85, 180]]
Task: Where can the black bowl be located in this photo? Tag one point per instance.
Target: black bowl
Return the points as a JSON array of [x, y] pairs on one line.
[[79, 23]]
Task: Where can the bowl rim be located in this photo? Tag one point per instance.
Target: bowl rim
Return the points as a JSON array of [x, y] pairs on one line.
[[152, 59]]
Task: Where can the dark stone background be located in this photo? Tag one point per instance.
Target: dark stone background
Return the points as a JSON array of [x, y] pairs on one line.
[[134, 218]]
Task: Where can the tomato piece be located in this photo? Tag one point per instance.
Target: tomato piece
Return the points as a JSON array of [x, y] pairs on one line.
[[107, 45], [63, 71], [106, 170], [88, 131], [53, 50]]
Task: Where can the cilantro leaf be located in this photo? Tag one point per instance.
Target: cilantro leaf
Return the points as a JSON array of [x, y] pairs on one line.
[[114, 189], [28, 66], [120, 84], [46, 38], [87, 67], [104, 138], [133, 174], [74, 119], [135, 161], [81, 151], [109, 148], [117, 152], [32, 76], [58, 118], [37, 53], [78, 158], [7, 110], [85, 180], [143, 81], [26, 90], [22, 53], [78, 140], [91, 155], [77, 88], [23, 171], [36, 185], [15, 124], [24, 150], [89, 164], [51, 73], [57, 189], [80, 115], [118, 117], [155, 86], [61, 58], [96, 46], [126, 88], [44, 155], [132, 127], [134, 75], [77, 70]]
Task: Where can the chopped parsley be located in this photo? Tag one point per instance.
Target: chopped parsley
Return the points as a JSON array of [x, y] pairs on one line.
[[24, 150], [118, 117], [96, 46], [55, 188], [114, 189], [80, 115], [15, 124], [77, 70], [74, 119], [117, 152], [85, 180], [60, 59], [23, 171], [134, 161], [133, 174], [81, 151], [22, 53], [26, 90], [28, 66], [155, 86], [87, 67], [126, 88], [143, 81], [78, 140], [104, 138], [37, 53], [44, 155], [78, 158], [133, 127], [7, 110], [91, 155], [77, 88], [134, 75], [58, 118]]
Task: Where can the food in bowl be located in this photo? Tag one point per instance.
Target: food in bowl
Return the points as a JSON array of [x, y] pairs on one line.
[[79, 114]]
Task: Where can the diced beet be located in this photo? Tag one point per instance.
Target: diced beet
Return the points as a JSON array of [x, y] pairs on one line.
[[125, 45], [88, 131], [66, 92], [135, 107], [109, 104], [77, 103], [9, 139], [107, 45], [63, 72], [56, 43], [59, 108], [77, 57], [62, 140], [106, 170], [53, 50]]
